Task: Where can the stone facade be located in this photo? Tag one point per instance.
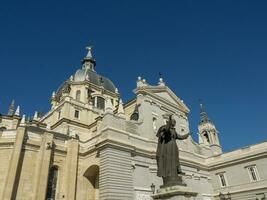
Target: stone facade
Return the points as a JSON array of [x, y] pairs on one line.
[[90, 145]]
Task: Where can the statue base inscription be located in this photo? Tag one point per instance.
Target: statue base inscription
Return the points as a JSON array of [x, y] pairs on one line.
[[177, 192]]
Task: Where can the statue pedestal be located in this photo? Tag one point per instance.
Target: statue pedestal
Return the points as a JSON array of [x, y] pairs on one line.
[[176, 192]]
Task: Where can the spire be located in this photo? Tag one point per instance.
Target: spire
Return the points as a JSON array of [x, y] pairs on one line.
[[11, 108], [89, 62], [203, 115]]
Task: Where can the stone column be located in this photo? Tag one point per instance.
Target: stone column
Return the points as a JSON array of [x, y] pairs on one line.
[[42, 167], [115, 176], [13, 165], [71, 168]]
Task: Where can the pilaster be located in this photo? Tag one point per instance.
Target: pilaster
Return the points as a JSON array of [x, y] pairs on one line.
[[71, 168], [116, 181], [13, 165], [42, 167]]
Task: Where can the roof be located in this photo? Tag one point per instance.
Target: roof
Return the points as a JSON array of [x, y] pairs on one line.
[[90, 75]]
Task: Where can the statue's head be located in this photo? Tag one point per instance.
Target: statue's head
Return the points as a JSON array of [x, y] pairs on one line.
[[172, 122]]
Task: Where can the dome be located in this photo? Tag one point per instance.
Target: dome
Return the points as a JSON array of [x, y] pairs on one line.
[[90, 75]]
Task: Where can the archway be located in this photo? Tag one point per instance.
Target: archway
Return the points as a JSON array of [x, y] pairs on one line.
[[91, 183]]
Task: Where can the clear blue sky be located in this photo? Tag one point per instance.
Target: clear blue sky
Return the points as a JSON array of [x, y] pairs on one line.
[[213, 50]]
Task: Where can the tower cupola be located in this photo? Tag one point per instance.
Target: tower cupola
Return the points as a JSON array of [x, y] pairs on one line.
[[208, 134]]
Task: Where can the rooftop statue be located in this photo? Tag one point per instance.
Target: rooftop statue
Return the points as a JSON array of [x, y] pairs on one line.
[[167, 154]]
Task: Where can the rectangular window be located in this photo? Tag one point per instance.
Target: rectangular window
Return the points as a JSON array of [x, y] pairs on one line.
[[76, 114], [253, 173], [222, 179]]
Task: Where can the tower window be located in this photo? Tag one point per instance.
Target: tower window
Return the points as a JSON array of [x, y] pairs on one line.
[[76, 114], [206, 137], [52, 184], [99, 102], [222, 179], [253, 173], [78, 95]]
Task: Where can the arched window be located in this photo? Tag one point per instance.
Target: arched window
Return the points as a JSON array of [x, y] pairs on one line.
[[78, 95], [52, 184], [99, 102]]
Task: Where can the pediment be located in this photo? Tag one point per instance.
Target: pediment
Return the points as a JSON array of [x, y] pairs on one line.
[[163, 93]]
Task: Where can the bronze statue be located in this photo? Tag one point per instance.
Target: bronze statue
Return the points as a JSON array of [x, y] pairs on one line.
[[168, 154]]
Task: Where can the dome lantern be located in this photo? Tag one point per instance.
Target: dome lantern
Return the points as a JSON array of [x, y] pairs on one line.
[[89, 62]]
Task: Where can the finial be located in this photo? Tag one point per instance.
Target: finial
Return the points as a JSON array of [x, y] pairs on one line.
[[116, 90], [11, 108], [121, 109], [203, 115], [53, 94], [35, 117], [161, 82], [109, 106], [89, 53], [201, 105], [48, 126], [23, 120], [71, 78], [17, 111], [141, 82], [87, 77]]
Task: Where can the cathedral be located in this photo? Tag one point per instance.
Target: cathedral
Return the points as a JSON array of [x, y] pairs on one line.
[[92, 146]]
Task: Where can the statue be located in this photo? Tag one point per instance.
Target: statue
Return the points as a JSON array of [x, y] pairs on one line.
[[167, 154]]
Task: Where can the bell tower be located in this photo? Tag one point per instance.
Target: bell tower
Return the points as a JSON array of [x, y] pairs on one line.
[[208, 135]]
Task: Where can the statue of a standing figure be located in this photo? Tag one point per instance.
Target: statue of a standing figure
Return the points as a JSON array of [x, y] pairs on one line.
[[168, 154]]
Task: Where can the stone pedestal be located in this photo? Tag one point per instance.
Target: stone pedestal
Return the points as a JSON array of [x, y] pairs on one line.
[[176, 192]]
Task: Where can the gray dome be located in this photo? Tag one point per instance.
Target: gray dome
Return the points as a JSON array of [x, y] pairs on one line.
[[87, 74]]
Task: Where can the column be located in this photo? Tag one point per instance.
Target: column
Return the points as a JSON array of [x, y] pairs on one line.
[[71, 168], [42, 167], [13, 165]]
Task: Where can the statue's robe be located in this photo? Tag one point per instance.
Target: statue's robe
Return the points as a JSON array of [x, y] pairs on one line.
[[167, 154]]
